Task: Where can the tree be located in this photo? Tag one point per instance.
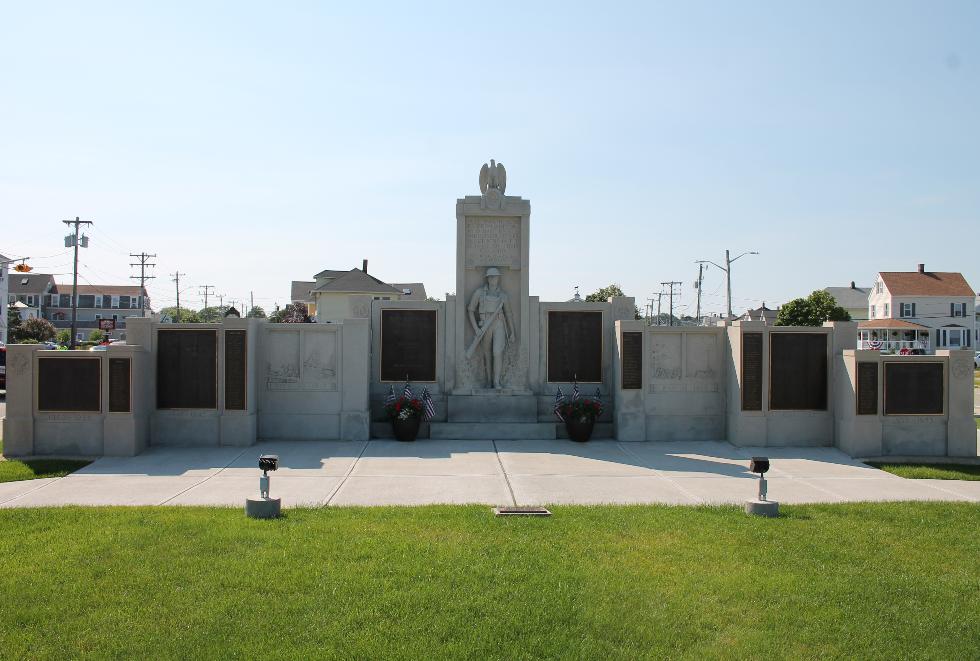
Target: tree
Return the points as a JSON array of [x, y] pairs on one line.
[[291, 314], [13, 325], [63, 337], [813, 310], [95, 336], [36, 329], [186, 316], [603, 295], [212, 314], [256, 312]]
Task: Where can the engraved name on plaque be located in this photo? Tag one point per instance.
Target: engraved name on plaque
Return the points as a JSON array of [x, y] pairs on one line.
[[798, 371], [632, 362], [187, 369], [913, 388], [493, 242], [69, 384], [574, 346], [235, 370], [867, 388], [120, 400], [751, 371], [408, 345]]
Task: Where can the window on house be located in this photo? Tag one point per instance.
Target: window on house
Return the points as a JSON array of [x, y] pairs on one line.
[[106, 301], [871, 312], [957, 309], [115, 301], [886, 310], [86, 301], [907, 309], [64, 301]]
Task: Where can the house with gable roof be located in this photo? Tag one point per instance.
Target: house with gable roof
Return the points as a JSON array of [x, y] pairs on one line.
[[336, 295], [920, 311]]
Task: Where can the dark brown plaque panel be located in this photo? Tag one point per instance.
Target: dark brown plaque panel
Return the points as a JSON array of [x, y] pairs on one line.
[[632, 363], [235, 372], [187, 370], [69, 384], [867, 388], [798, 371], [751, 371], [574, 346], [408, 345], [119, 385], [913, 388]]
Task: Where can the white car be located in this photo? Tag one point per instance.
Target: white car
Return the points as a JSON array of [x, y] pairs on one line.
[[976, 360]]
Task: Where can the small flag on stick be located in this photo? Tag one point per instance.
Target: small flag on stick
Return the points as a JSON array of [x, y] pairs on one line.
[[559, 400], [390, 398], [428, 407]]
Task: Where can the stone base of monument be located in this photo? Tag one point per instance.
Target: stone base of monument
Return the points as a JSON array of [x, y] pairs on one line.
[[492, 408], [489, 431], [259, 507], [762, 507]]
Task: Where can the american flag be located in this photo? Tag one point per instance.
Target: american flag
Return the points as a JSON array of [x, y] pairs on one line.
[[575, 392], [428, 408], [407, 393], [598, 395], [390, 398], [559, 400]]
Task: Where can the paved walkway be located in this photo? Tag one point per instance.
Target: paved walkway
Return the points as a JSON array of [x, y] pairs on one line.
[[494, 473]]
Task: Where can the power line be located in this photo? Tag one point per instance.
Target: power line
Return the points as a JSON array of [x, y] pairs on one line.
[[671, 283]]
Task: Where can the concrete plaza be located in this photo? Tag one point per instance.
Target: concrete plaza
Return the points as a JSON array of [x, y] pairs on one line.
[[549, 472]]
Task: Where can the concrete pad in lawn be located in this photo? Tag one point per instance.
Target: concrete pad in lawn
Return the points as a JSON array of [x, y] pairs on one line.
[[430, 457], [881, 489], [166, 461], [423, 490], [231, 490], [11, 490], [564, 457], [77, 489], [708, 459], [596, 490], [311, 458]]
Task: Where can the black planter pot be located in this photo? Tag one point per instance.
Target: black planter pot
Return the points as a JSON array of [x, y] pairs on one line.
[[580, 430], [407, 429]]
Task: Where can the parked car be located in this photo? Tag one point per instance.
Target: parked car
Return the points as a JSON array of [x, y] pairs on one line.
[[976, 360], [3, 367]]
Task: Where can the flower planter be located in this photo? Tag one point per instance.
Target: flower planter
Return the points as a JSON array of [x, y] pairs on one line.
[[580, 430], [407, 429]]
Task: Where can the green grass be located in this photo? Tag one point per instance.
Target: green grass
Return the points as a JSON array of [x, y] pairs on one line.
[[933, 471], [12, 470], [893, 580]]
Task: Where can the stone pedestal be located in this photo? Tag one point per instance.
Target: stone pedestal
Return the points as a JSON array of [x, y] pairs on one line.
[[767, 508], [259, 507]]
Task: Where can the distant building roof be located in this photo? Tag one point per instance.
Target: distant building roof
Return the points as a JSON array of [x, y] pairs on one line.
[[30, 283], [358, 282], [104, 290], [926, 283], [300, 291], [329, 273], [896, 324], [761, 314], [416, 290], [850, 297]]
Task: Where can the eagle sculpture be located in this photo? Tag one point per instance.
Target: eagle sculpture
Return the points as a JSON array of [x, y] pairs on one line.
[[493, 177]]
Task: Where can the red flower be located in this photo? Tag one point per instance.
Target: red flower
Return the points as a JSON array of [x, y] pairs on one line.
[[415, 403], [398, 406]]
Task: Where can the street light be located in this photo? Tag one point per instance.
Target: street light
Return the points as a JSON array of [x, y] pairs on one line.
[[727, 268]]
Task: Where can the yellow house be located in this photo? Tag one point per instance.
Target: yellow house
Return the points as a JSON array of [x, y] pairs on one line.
[[338, 295]]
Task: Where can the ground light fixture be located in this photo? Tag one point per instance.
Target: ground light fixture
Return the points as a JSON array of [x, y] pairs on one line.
[[760, 506], [264, 506]]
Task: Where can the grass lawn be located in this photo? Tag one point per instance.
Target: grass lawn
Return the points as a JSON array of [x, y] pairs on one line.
[[933, 471], [12, 470], [890, 580]]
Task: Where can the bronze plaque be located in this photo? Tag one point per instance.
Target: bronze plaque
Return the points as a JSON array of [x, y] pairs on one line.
[[235, 373], [867, 389], [632, 361], [574, 346], [913, 388], [69, 384], [119, 385], [798, 371], [751, 371], [408, 344], [187, 369]]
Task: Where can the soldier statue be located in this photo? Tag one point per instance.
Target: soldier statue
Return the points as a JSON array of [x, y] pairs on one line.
[[493, 322]]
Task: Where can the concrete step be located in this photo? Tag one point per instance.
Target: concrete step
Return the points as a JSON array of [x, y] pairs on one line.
[[503, 431], [492, 408]]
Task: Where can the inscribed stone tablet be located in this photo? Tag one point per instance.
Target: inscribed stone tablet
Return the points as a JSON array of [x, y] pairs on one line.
[[867, 388], [913, 388], [575, 346], [69, 384], [187, 369], [235, 372], [751, 371], [632, 361], [119, 385], [798, 371], [408, 345]]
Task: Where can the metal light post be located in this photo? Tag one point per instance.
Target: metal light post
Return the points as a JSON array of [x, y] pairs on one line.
[[727, 268]]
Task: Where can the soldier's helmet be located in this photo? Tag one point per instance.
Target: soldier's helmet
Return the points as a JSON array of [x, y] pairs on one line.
[[493, 271]]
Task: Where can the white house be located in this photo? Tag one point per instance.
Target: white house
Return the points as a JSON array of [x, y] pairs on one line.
[[4, 280], [854, 299], [338, 295], [919, 310]]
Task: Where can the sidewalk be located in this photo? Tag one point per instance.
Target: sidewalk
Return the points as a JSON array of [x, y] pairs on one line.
[[489, 472]]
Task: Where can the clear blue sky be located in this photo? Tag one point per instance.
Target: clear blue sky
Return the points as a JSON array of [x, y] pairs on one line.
[[250, 144]]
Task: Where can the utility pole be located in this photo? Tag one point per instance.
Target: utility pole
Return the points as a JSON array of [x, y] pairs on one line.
[[660, 298], [251, 301], [176, 278], [221, 300], [207, 289], [697, 285], [72, 240], [727, 268], [671, 284], [142, 277]]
